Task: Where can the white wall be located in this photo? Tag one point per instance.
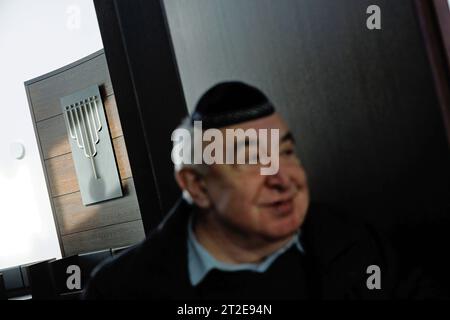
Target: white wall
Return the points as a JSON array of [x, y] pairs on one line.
[[36, 37]]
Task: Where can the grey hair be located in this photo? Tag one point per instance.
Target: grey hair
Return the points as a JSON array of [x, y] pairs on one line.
[[179, 163]]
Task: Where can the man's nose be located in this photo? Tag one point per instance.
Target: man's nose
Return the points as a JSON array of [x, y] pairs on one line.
[[279, 181]]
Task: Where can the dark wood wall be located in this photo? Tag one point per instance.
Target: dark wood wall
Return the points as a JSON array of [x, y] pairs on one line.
[[82, 228], [361, 103]]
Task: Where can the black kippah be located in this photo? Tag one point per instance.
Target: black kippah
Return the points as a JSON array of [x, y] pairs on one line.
[[230, 103]]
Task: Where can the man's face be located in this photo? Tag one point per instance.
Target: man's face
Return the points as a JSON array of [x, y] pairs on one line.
[[270, 207]]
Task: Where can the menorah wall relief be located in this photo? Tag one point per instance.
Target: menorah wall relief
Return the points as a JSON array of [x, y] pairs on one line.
[[91, 146], [84, 126]]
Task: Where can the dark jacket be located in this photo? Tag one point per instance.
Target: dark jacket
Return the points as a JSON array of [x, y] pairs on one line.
[[337, 250]]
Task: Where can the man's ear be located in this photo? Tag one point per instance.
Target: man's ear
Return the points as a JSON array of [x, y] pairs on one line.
[[192, 181]]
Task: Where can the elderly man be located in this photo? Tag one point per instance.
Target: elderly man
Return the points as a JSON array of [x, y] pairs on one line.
[[243, 235]]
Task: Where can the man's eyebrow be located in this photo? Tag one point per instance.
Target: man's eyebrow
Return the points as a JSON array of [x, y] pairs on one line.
[[288, 136]]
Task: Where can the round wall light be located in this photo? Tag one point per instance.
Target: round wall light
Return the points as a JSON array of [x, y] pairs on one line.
[[17, 150]]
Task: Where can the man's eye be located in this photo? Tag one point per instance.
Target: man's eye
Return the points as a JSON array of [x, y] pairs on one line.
[[287, 152]]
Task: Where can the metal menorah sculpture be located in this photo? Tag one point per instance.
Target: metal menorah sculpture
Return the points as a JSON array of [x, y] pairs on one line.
[[92, 149], [84, 125]]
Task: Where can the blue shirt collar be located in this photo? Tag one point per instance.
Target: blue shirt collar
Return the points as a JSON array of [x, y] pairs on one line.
[[200, 261]]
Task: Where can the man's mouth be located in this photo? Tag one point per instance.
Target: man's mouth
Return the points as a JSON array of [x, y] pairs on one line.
[[281, 207]]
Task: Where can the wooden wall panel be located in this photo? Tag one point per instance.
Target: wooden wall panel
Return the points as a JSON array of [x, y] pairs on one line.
[[113, 223], [46, 94], [62, 175], [121, 156], [74, 217], [53, 137], [53, 133], [113, 236], [112, 116]]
